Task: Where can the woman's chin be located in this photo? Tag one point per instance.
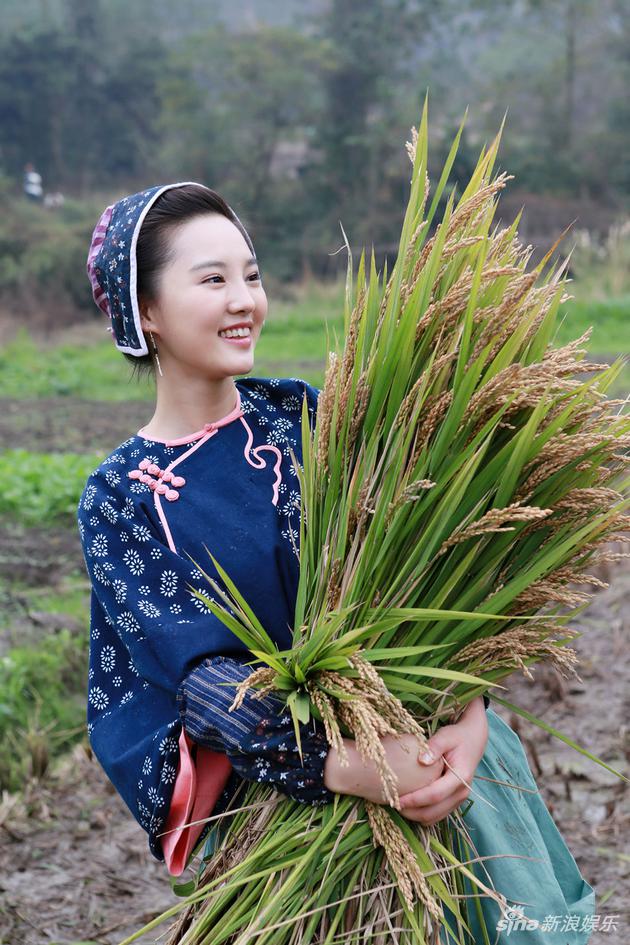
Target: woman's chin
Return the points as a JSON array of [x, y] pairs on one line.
[[241, 362]]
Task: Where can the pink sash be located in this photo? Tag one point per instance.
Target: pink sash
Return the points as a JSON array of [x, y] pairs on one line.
[[199, 783]]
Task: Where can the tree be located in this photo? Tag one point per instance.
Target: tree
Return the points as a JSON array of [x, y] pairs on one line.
[[369, 83]]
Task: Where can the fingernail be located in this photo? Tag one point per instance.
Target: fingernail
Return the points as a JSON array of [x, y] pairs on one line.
[[427, 757]]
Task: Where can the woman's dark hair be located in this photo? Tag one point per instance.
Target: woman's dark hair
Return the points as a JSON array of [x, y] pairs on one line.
[[154, 251]]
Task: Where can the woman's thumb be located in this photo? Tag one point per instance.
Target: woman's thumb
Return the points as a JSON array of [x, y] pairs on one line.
[[437, 745]]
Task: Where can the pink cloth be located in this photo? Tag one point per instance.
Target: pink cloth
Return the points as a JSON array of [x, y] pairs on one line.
[[201, 777]]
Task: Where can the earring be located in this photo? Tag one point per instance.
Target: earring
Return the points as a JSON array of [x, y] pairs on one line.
[[155, 350]]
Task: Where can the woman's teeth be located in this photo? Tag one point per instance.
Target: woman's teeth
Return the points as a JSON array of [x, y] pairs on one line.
[[236, 333]]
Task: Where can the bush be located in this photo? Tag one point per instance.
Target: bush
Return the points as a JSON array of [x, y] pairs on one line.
[[42, 704], [43, 254], [47, 488]]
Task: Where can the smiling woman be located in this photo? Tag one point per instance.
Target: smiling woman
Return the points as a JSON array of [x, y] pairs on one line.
[[213, 469], [185, 307], [170, 250], [176, 272]]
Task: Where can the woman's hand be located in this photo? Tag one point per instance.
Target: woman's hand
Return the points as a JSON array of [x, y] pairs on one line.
[[361, 778], [462, 745]]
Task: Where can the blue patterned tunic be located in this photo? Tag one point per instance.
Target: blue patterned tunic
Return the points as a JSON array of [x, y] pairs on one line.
[[144, 517]]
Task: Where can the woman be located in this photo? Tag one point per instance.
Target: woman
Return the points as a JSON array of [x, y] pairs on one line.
[[176, 272]]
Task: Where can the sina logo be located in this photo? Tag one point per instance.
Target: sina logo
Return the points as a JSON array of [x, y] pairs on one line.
[[513, 921]]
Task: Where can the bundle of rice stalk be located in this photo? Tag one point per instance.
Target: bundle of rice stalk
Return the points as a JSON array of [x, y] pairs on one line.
[[462, 475]]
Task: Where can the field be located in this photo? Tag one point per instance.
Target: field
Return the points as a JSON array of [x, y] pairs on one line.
[[75, 867]]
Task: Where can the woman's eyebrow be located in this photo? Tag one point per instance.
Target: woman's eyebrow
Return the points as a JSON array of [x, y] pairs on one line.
[[218, 263]]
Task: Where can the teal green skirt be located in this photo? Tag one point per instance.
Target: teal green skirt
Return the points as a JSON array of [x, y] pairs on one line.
[[555, 901], [523, 856]]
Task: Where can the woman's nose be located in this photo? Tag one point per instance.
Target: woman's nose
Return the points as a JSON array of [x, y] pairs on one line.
[[241, 298]]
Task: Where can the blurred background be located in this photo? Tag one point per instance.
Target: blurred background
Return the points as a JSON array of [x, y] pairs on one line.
[[297, 113]]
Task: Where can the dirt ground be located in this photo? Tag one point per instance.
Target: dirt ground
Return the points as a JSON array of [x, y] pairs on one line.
[[69, 424], [75, 867]]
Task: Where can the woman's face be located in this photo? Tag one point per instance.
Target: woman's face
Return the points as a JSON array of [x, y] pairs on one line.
[[211, 284]]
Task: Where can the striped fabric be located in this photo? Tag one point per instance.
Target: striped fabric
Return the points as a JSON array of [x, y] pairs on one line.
[[258, 737], [100, 230]]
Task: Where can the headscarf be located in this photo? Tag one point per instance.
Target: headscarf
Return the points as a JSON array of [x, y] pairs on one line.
[[112, 267]]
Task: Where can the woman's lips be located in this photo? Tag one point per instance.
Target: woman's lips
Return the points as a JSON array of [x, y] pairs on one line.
[[241, 342]]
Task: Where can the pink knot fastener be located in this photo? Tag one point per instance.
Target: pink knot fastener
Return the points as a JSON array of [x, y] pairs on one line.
[[147, 470]]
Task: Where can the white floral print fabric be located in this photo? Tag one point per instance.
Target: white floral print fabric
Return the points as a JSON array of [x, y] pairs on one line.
[[148, 630]]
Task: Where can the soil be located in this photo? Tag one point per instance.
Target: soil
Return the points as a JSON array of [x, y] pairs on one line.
[[75, 867], [70, 424], [37, 556]]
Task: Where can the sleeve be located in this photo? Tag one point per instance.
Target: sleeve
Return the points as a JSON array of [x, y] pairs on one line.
[[258, 737], [312, 394], [143, 587]]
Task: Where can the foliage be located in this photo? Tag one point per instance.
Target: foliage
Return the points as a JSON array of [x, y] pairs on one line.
[[42, 704], [602, 266], [294, 113], [41, 488], [42, 257], [79, 123]]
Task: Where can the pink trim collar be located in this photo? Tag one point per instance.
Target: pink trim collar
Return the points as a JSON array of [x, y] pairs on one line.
[[234, 414]]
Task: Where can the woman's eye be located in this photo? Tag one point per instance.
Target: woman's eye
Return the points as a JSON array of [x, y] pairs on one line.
[[255, 276]]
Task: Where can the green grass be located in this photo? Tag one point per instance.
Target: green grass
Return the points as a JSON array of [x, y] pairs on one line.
[[293, 342], [610, 320], [94, 372], [42, 702], [42, 684], [43, 488], [70, 599], [610, 337]]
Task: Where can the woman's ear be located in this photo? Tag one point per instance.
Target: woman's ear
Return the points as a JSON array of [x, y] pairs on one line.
[[147, 320]]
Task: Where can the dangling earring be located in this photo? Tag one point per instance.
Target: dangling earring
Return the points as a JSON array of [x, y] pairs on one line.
[[155, 350]]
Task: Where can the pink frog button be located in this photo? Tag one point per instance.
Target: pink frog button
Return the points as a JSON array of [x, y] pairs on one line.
[[156, 479]]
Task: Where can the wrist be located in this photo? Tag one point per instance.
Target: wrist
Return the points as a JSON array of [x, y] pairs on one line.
[[472, 711], [475, 705], [359, 777], [334, 771]]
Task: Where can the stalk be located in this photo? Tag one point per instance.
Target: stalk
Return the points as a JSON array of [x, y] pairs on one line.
[[461, 479]]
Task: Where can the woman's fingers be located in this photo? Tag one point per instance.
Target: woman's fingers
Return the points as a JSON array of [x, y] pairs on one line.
[[436, 793], [433, 813], [448, 737]]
